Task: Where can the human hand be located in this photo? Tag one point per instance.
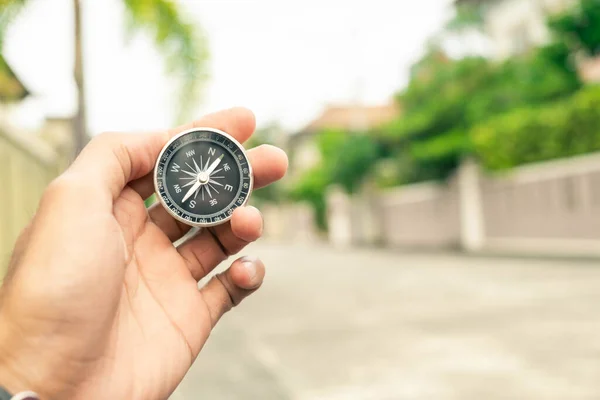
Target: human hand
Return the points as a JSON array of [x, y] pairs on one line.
[[98, 303]]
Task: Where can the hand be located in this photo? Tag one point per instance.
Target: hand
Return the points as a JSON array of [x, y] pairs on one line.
[[98, 303]]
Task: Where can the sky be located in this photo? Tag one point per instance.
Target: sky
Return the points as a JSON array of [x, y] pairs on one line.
[[285, 60]]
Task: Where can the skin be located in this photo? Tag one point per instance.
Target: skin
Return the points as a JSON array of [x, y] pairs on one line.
[[98, 303]]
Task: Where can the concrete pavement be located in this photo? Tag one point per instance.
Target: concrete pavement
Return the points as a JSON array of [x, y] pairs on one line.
[[374, 324]]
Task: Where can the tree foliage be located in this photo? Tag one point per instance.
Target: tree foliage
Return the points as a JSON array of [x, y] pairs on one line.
[[466, 16], [446, 98], [580, 26], [347, 158], [311, 188], [9, 9], [561, 129], [527, 108], [181, 43]]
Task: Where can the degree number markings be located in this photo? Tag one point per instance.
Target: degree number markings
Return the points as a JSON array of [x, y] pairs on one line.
[[202, 175]]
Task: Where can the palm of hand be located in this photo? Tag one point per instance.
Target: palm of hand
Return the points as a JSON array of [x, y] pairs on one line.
[[137, 343], [161, 320], [98, 302]]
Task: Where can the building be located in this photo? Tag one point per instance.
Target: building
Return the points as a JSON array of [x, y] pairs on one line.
[[30, 159], [11, 87], [515, 26], [55, 132], [12, 90], [304, 153]]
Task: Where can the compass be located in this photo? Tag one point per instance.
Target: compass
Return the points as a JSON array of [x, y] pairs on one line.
[[201, 176]]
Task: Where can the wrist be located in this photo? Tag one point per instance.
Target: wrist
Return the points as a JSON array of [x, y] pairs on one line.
[[19, 372], [12, 385], [4, 395]]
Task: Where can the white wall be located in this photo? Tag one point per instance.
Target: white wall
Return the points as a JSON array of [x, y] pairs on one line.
[[549, 207]]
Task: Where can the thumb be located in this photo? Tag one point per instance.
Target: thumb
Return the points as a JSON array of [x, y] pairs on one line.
[[112, 160]]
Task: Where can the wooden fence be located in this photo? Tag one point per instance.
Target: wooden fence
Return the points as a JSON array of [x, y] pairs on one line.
[[27, 165]]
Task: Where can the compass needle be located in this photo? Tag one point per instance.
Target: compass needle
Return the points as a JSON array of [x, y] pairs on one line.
[[191, 191]]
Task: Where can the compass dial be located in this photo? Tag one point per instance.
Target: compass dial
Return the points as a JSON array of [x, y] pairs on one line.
[[202, 175]]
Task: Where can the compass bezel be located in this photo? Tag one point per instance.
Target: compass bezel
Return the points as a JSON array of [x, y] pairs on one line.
[[181, 218]]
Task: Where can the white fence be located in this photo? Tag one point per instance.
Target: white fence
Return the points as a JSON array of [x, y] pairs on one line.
[[421, 215], [551, 207], [289, 222]]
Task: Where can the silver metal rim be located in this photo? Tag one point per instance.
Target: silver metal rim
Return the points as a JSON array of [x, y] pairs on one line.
[[162, 202]]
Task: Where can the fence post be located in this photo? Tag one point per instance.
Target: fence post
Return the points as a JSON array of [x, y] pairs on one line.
[[472, 224], [339, 217]]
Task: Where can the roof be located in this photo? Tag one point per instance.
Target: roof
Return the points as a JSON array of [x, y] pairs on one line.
[[11, 88], [353, 117]]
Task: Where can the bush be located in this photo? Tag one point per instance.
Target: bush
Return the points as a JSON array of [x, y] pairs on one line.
[[346, 160], [353, 161], [564, 128], [311, 188]]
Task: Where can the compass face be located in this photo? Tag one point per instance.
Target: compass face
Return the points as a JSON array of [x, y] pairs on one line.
[[202, 175]]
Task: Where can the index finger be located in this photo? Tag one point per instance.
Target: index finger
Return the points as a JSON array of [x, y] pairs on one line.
[[111, 161], [239, 122]]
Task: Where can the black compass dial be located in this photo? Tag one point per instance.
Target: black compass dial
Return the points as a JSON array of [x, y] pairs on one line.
[[202, 175]]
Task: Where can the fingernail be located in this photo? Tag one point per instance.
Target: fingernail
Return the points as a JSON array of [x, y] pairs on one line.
[[262, 221], [250, 265]]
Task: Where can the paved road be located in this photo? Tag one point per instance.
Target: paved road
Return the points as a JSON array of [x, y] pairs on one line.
[[372, 324]]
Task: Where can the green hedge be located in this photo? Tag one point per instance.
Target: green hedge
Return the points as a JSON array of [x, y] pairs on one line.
[[561, 129]]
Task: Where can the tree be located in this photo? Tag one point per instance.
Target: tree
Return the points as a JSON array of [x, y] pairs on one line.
[[467, 16], [446, 98], [347, 159], [579, 27], [181, 43]]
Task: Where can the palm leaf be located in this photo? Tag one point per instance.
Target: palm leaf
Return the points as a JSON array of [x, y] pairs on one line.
[[182, 44], [9, 9]]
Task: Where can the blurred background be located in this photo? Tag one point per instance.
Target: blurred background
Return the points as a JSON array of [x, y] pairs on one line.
[[438, 233]]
